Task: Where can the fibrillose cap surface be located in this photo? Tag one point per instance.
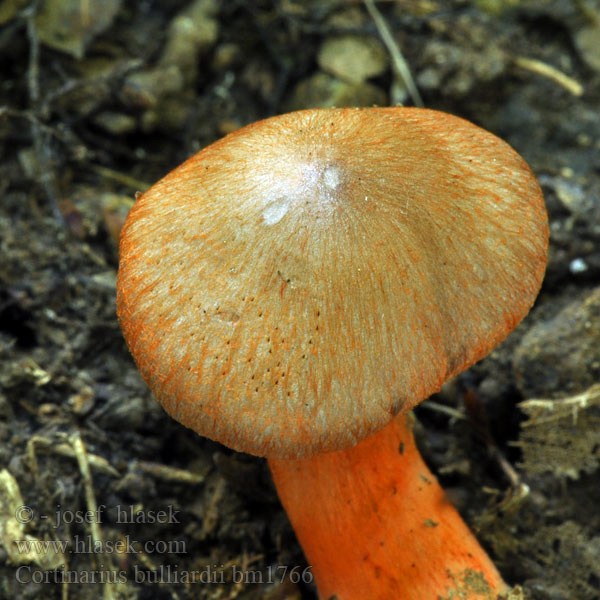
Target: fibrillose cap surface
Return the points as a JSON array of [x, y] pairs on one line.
[[290, 288]]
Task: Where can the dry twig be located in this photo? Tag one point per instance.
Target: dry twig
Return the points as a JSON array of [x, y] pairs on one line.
[[546, 70], [401, 67]]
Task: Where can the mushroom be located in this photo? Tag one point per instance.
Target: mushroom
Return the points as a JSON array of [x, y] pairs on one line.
[[295, 288]]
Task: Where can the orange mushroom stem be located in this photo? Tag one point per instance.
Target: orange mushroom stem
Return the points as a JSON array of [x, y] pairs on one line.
[[375, 524]]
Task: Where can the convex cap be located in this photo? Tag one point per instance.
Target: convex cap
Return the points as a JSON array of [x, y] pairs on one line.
[[291, 287]]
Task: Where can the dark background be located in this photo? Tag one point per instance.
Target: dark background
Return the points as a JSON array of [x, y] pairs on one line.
[[99, 99]]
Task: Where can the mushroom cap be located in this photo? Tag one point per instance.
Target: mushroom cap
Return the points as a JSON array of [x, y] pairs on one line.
[[290, 288]]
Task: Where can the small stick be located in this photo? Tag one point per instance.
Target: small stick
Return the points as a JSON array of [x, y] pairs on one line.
[[546, 70], [400, 65], [131, 182], [167, 473], [90, 498], [42, 151], [98, 463]]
